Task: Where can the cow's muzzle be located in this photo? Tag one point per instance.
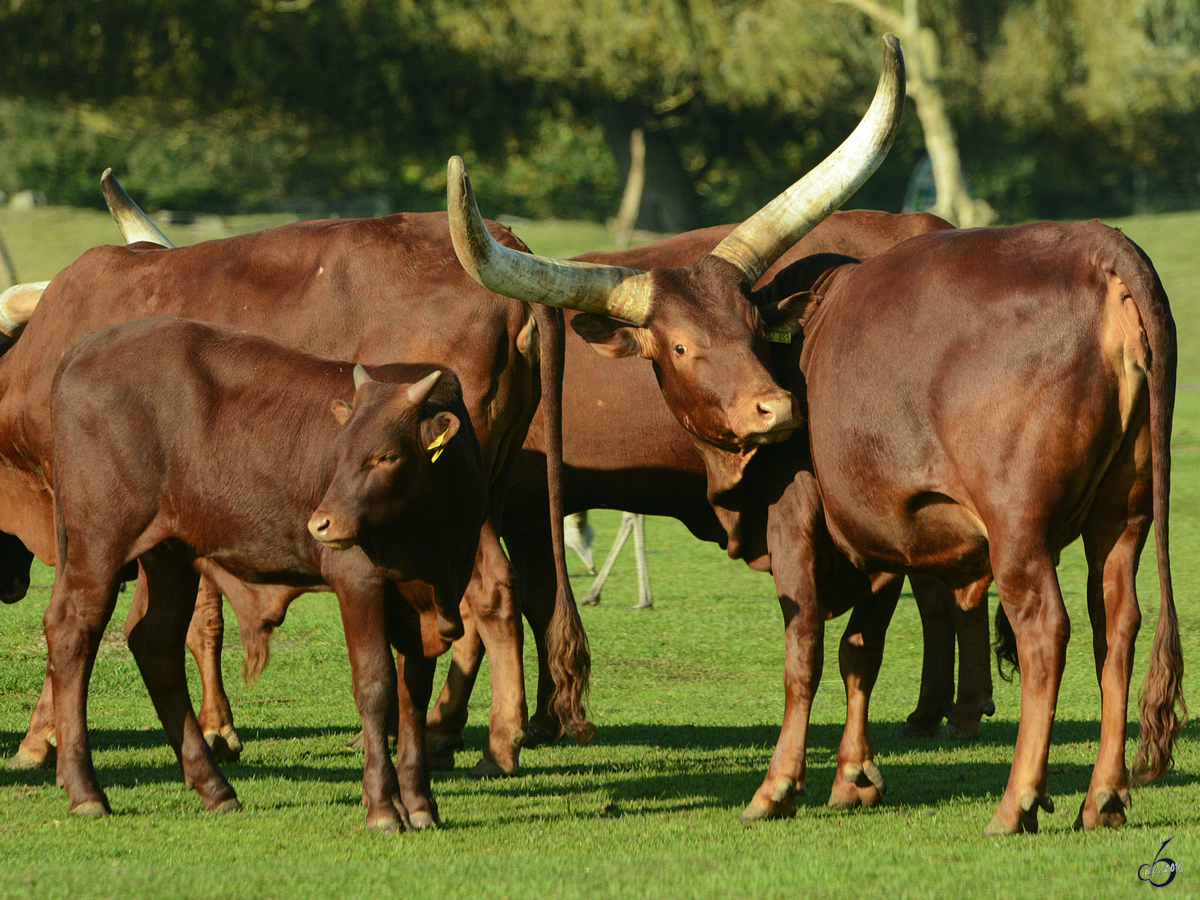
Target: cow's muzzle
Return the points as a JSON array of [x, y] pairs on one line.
[[330, 533], [769, 419]]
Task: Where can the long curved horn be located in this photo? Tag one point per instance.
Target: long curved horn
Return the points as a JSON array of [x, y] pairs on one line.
[[608, 290], [17, 305], [135, 225], [755, 244]]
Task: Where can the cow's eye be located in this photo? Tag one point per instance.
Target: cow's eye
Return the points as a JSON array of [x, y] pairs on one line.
[[680, 349], [390, 458]]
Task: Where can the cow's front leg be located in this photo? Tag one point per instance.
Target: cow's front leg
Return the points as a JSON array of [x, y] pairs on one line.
[[361, 600], [858, 781], [792, 536]]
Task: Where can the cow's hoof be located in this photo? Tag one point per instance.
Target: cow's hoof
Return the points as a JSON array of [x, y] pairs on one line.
[[23, 760], [225, 744], [232, 805], [385, 825], [421, 821], [486, 768], [988, 708], [957, 733], [91, 809], [780, 805], [1108, 812], [861, 784], [1026, 819], [542, 731]]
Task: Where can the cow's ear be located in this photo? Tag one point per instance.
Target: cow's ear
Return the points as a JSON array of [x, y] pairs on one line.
[[790, 314], [341, 411], [611, 337], [436, 432]]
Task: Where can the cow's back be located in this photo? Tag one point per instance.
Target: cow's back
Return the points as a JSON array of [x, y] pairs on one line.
[[372, 290]]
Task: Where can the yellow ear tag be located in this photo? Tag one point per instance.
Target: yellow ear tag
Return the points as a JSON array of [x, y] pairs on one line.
[[780, 334], [437, 445]]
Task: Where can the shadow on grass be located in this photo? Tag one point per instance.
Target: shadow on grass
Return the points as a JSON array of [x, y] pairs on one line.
[[729, 767]]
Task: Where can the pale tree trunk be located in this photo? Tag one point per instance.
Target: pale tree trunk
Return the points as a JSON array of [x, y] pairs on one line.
[[631, 200], [8, 272], [669, 203], [922, 75]]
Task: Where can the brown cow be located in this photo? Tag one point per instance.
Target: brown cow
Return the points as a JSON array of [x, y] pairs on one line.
[[175, 441], [623, 449], [977, 400], [372, 290]]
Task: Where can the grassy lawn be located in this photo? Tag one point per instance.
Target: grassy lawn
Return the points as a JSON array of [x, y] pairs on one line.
[[687, 698]]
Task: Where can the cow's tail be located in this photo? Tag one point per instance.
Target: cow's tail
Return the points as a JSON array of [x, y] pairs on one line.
[[1162, 691], [570, 659], [1005, 646]]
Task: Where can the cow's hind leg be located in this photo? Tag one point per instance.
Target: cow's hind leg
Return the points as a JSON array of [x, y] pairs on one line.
[[533, 557], [444, 732], [205, 638], [970, 617], [935, 603], [1029, 591], [157, 642], [81, 604], [38, 749], [1113, 538], [857, 780], [492, 598]]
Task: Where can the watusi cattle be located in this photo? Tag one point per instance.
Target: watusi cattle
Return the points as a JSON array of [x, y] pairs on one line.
[[176, 441], [977, 400]]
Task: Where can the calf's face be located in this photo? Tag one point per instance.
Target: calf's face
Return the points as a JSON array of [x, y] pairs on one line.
[[408, 488]]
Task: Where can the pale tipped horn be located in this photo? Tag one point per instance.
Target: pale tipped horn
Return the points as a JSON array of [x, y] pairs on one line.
[[419, 391], [608, 290], [17, 305], [755, 244], [135, 225], [361, 377]]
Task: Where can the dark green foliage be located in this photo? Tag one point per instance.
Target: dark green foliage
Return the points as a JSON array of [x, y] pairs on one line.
[[353, 106]]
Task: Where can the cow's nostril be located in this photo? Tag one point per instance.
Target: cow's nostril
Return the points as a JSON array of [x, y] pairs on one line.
[[767, 411], [322, 526]]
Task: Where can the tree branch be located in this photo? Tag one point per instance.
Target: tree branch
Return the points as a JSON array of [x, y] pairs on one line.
[[889, 18]]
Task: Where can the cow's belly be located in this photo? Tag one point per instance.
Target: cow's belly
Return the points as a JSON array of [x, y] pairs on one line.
[[927, 531]]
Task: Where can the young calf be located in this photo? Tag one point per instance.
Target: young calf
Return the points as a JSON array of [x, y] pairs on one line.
[[181, 445]]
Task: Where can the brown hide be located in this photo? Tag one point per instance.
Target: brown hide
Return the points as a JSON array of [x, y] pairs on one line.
[[977, 400], [176, 440]]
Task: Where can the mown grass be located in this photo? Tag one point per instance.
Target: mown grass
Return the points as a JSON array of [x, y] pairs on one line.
[[687, 698]]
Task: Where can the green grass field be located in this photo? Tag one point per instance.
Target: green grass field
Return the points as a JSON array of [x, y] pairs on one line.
[[687, 698]]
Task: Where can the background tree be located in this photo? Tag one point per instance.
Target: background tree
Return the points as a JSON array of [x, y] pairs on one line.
[[231, 105]]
